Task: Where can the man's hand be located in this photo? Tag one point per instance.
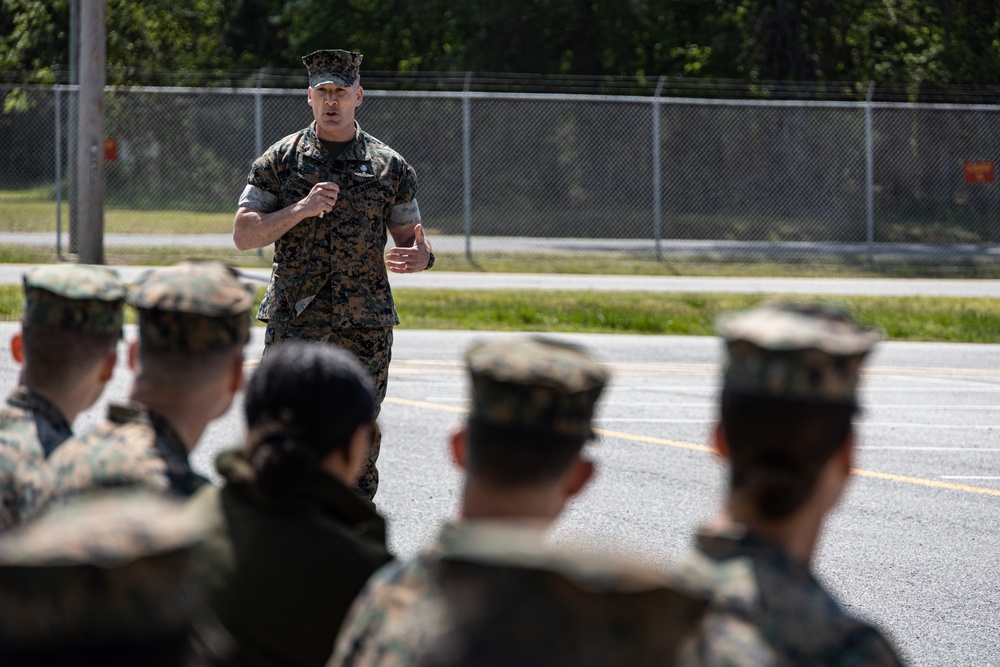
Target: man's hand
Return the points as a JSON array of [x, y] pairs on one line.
[[412, 259], [322, 198]]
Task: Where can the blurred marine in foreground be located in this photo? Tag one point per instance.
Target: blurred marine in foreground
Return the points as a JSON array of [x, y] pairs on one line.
[[67, 348], [785, 432], [194, 319], [490, 591]]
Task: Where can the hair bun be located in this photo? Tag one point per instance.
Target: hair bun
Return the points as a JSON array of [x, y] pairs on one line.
[[284, 462]]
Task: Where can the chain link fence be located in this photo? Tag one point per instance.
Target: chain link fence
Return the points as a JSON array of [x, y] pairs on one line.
[[655, 177]]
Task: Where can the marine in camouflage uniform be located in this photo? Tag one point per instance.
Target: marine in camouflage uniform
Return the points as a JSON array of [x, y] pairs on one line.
[[767, 608], [194, 314], [77, 303], [489, 591], [326, 197], [105, 580]]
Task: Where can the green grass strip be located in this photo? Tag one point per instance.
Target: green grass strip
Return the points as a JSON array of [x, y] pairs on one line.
[[899, 318], [941, 319]]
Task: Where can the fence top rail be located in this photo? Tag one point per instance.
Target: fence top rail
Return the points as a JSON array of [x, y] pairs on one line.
[[555, 97]]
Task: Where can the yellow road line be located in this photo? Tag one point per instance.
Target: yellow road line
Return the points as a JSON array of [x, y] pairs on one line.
[[925, 482], [919, 481], [424, 404], [655, 441]]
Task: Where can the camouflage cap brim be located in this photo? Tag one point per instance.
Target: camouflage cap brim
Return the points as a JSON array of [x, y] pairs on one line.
[[192, 307], [333, 66], [535, 385], [79, 298], [807, 352]]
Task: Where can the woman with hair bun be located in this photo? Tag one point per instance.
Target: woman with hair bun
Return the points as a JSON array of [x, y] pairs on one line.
[[291, 543]]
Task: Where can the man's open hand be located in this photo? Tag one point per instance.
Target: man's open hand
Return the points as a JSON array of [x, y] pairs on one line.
[[412, 259]]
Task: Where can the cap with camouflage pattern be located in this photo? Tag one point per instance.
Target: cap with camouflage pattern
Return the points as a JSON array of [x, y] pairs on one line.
[[809, 352], [74, 297], [113, 567], [535, 385], [333, 66], [192, 307]]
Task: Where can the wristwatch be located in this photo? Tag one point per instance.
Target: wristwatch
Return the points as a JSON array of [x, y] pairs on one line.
[[430, 262]]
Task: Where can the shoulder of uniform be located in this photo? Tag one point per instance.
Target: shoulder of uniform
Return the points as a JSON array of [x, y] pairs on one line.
[[378, 148], [287, 143]]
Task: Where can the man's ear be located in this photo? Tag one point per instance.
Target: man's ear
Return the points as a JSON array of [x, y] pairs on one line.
[[236, 373], [133, 355], [577, 477], [845, 455], [108, 366], [458, 446], [719, 443], [17, 347], [361, 96]]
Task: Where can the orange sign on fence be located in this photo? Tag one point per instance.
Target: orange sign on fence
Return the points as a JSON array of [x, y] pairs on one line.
[[978, 172], [110, 149]]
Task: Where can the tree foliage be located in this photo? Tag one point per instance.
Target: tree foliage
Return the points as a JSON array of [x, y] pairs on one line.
[[913, 42]]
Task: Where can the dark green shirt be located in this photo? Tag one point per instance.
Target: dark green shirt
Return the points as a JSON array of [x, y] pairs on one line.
[[280, 578]]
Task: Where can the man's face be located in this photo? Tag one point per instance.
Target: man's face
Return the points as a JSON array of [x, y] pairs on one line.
[[333, 108]]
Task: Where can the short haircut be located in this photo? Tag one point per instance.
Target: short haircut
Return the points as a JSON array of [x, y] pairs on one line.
[[305, 401], [60, 358], [509, 456], [179, 370], [778, 447]]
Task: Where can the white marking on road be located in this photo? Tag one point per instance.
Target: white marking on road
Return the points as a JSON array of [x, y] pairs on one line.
[[929, 449], [987, 427], [969, 477]]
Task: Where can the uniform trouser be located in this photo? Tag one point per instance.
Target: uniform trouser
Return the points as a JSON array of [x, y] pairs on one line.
[[372, 347]]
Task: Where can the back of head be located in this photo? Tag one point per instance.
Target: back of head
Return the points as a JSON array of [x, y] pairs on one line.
[[104, 580], [304, 401], [192, 316], [533, 404], [789, 395], [73, 315]]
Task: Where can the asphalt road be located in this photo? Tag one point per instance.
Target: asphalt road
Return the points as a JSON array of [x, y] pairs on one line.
[[913, 546]]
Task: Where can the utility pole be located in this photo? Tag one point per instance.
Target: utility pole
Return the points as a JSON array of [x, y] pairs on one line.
[[90, 138], [73, 122]]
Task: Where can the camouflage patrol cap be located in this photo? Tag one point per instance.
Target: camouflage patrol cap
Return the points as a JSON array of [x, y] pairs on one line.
[[192, 307], [807, 352], [333, 66], [536, 385], [74, 297], [108, 568]]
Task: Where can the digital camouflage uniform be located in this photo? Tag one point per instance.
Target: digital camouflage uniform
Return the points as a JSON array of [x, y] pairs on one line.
[[189, 309], [489, 592], [767, 608], [133, 446], [328, 279], [81, 299], [104, 580]]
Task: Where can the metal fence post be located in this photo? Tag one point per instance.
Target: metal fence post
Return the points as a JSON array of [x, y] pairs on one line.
[[58, 128], [258, 126], [657, 187], [870, 169], [467, 166]]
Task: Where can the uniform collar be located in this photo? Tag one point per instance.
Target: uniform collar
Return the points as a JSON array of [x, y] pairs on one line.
[[331, 495], [26, 399], [133, 412], [735, 540], [313, 147]]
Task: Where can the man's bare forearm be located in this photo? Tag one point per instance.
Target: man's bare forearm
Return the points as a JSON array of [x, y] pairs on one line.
[[252, 229]]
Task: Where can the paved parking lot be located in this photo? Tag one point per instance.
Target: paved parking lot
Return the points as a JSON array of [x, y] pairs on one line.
[[913, 546]]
